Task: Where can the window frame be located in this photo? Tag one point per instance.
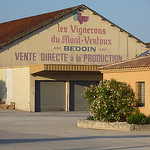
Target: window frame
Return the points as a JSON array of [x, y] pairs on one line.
[[140, 96]]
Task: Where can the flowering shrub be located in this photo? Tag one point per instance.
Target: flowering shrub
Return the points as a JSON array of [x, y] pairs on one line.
[[110, 101], [90, 94]]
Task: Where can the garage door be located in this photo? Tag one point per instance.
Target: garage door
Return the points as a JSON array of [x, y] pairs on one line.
[[50, 96], [76, 90]]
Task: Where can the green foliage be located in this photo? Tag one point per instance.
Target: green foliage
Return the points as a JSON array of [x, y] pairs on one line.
[[110, 101], [138, 118], [90, 94]]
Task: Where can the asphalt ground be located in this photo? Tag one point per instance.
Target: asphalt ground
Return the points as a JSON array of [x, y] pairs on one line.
[[58, 131]]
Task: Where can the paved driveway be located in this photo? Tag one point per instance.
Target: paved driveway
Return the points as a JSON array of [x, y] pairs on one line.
[[57, 130]]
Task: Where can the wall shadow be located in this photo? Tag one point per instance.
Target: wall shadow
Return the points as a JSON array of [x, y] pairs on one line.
[[3, 90], [13, 141]]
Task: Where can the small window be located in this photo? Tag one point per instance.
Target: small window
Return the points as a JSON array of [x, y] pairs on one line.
[[141, 94]]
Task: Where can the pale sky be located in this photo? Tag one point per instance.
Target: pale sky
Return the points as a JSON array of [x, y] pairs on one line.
[[131, 15]]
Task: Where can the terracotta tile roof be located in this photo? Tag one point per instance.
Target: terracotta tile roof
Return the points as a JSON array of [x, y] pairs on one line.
[[10, 31], [133, 63], [148, 44], [13, 30]]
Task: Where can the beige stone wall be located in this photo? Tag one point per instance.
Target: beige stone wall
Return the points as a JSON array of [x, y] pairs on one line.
[[21, 88], [131, 78], [49, 45]]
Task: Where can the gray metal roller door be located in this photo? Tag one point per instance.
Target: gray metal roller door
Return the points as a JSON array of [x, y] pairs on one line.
[[76, 90], [79, 101], [52, 96]]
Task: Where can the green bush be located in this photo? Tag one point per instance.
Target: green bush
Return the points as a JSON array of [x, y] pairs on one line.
[[138, 118], [110, 101], [90, 94]]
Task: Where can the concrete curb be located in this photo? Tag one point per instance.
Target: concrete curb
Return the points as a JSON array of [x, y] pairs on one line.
[[121, 126]]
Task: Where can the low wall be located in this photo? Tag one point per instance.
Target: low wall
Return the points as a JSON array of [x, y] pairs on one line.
[[122, 126]]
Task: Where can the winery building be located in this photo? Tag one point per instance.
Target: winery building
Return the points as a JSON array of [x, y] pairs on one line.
[[47, 60]]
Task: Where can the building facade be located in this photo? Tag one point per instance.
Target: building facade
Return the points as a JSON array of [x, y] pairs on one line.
[[47, 60], [136, 73]]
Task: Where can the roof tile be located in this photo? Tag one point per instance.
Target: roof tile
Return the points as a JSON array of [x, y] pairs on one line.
[[132, 63]]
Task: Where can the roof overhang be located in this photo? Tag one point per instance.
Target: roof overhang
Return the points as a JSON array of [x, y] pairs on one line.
[[117, 70], [65, 68]]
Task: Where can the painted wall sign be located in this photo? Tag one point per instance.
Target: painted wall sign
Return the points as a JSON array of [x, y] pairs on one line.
[[81, 42], [64, 57], [75, 43], [81, 38], [78, 17]]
